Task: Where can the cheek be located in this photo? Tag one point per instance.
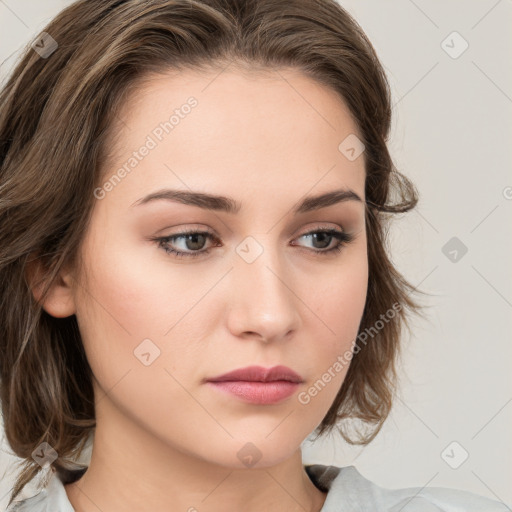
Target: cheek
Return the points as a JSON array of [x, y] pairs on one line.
[[135, 293], [340, 296], [130, 297], [115, 311], [338, 301]]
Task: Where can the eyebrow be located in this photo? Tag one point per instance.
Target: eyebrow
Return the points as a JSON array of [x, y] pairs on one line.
[[230, 205]]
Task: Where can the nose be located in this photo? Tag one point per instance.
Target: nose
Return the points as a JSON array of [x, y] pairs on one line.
[[263, 303]]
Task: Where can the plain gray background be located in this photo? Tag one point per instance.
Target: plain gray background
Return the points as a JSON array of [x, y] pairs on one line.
[[451, 135]]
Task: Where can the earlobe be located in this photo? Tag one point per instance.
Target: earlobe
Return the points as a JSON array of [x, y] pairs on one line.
[[59, 301]]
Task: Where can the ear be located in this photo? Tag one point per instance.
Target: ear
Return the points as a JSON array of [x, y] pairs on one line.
[[59, 301]]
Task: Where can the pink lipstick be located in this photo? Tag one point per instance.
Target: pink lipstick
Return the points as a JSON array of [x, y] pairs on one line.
[[258, 385]]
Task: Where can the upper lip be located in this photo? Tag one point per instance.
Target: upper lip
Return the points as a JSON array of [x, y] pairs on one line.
[[259, 374]]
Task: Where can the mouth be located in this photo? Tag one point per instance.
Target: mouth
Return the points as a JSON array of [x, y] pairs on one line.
[[258, 393], [258, 385], [260, 374]]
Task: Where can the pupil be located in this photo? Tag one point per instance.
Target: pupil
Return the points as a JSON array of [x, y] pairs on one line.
[[326, 237], [194, 237]]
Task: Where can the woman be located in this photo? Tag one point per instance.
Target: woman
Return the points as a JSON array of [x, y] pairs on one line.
[[194, 199]]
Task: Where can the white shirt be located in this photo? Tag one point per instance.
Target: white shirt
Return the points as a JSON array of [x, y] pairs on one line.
[[347, 491]]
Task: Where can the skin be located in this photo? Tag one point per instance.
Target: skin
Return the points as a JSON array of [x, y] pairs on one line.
[[165, 440]]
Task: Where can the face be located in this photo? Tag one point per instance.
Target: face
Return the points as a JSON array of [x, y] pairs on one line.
[[258, 284]]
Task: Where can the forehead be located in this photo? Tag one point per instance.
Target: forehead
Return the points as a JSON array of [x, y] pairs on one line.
[[274, 129]]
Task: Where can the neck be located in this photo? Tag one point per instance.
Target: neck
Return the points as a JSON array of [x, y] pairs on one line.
[[131, 469]]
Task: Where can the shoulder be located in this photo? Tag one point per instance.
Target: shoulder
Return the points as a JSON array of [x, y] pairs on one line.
[[51, 497], [349, 491], [28, 504]]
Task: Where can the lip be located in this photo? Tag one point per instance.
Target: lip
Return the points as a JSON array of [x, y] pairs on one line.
[[258, 385], [259, 374]]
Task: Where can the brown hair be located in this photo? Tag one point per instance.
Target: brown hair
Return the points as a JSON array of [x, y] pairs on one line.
[[55, 115]]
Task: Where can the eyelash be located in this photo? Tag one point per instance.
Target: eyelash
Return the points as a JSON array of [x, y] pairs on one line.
[[343, 240]]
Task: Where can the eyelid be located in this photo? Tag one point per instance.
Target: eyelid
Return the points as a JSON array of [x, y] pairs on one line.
[[321, 226], [203, 229], [343, 239]]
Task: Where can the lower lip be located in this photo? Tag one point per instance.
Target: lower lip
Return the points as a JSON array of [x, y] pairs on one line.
[[262, 393]]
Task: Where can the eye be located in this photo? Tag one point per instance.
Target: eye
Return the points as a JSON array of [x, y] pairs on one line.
[[325, 236], [192, 242]]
